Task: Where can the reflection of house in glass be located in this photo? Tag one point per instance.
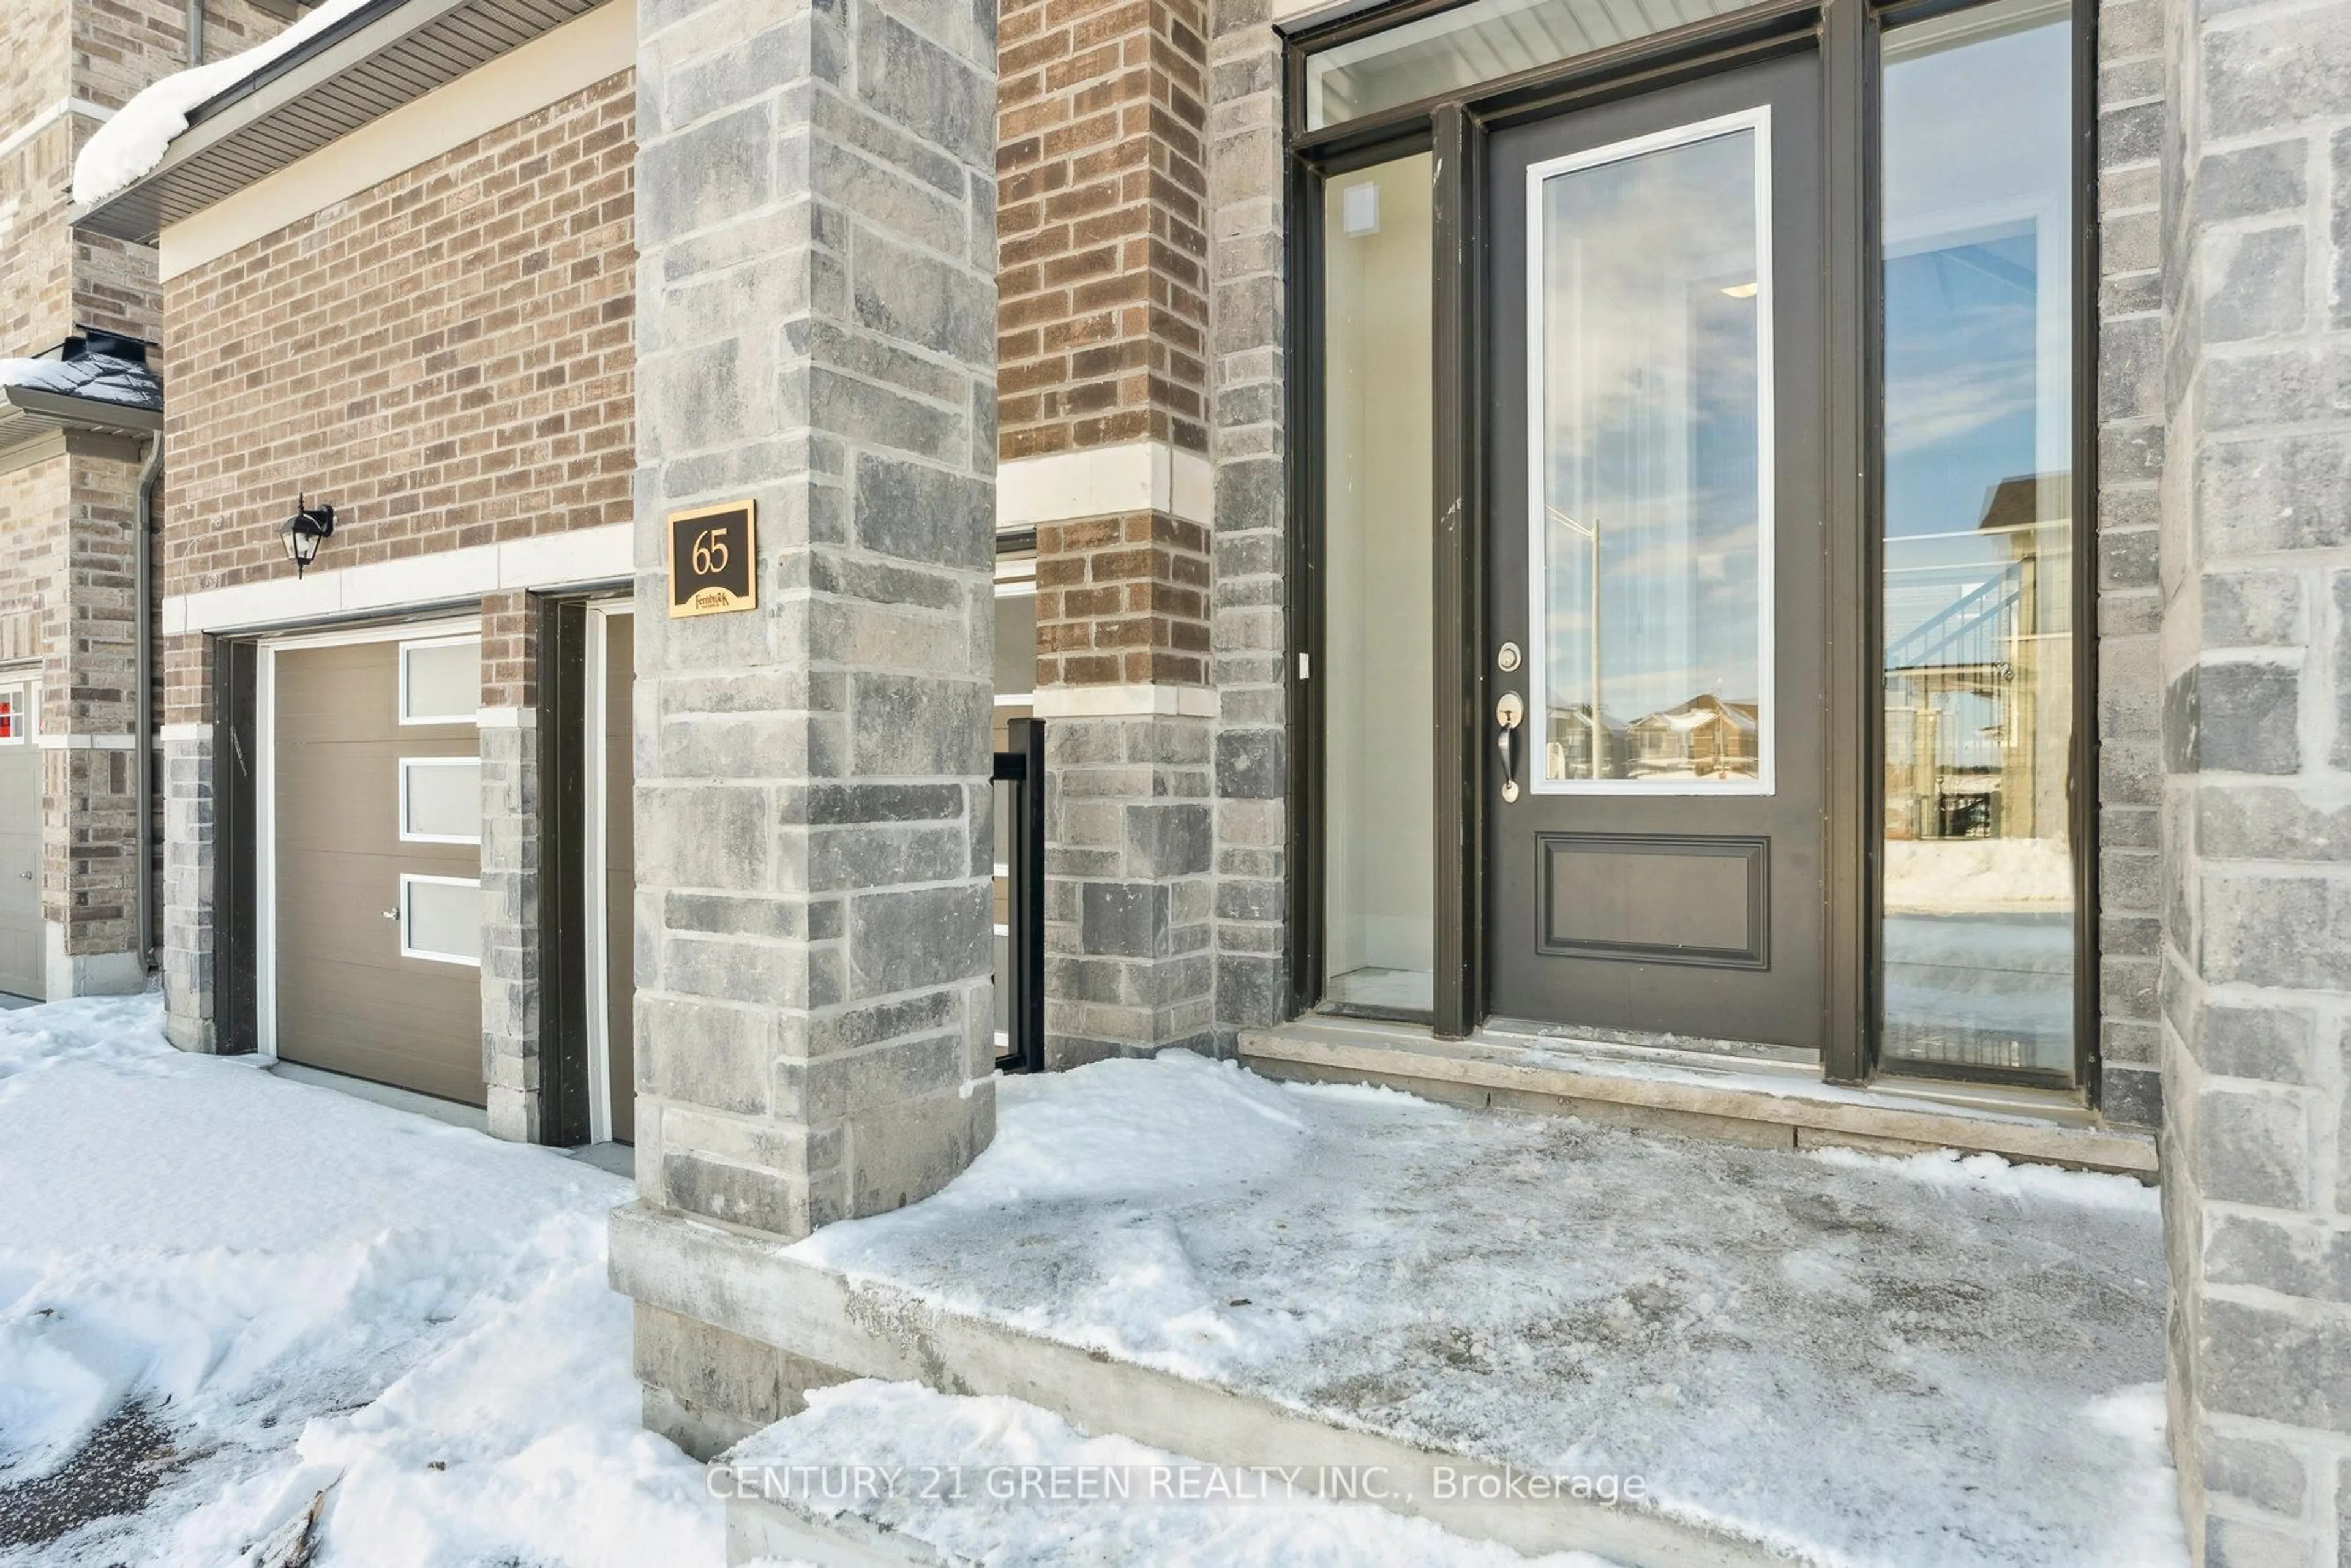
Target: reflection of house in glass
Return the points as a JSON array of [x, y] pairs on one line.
[[1705, 737], [1977, 643], [1568, 753]]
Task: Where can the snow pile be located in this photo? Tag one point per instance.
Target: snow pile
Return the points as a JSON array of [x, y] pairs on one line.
[[130, 145], [101, 378], [979, 1448], [1940, 876], [321, 1304], [1923, 1362]]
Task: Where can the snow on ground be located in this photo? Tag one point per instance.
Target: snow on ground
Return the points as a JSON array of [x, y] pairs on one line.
[[972, 1478], [254, 1296], [1931, 1363], [130, 145]]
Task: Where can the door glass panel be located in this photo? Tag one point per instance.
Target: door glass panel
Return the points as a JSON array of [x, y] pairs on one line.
[[1378, 691], [441, 681], [441, 918], [1650, 298], [1483, 41], [1977, 940]]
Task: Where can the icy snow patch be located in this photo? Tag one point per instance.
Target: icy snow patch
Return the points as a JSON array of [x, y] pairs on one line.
[[1902, 1364], [312, 1294], [129, 146], [985, 1443]]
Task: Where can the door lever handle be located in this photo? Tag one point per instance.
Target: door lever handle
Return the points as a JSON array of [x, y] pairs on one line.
[[1509, 713]]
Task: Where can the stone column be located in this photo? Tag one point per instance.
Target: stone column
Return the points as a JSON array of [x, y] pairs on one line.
[[2256, 729], [816, 315], [190, 830], [508, 730], [1103, 332]]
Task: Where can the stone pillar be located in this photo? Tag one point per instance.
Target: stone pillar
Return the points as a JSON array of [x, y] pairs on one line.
[[189, 835], [2256, 729], [815, 317], [1102, 335], [509, 729], [1248, 378]]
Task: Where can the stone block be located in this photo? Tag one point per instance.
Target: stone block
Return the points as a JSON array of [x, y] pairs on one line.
[[2252, 284], [2253, 1145]]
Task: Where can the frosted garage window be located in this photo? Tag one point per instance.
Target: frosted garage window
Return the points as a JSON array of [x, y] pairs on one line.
[[441, 919], [440, 799], [441, 681], [15, 712]]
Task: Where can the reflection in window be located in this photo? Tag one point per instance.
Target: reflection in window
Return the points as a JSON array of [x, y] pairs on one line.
[[1379, 892], [1978, 941], [1648, 310], [1482, 41]]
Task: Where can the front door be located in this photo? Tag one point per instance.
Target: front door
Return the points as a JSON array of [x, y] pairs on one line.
[[1655, 619]]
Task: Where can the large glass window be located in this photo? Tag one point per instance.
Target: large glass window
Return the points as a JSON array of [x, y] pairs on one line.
[[1649, 300], [1378, 689], [1977, 940]]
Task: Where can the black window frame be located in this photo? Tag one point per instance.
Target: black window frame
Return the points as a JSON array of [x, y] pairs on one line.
[[1845, 36]]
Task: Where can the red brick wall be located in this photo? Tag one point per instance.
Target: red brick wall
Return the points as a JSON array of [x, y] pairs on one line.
[[445, 359], [1123, 601], [1101, 282]]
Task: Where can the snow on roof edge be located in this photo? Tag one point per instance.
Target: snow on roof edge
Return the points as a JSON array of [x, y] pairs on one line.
[[128, 147]]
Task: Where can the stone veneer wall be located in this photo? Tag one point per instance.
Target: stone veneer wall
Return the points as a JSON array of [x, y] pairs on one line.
[[814, 1030], [2255, 159]]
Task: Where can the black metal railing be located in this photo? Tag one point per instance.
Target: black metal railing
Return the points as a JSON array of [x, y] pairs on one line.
[[1020, 898]]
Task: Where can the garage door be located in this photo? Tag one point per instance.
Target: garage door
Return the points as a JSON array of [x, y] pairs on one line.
[[377, 807], [20, 838]]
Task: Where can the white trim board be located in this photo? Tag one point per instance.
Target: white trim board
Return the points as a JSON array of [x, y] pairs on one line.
[[544, 560], [551, 67], [1139, 477], [1113, 702]]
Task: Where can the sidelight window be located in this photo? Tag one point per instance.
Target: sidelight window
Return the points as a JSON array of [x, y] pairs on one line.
[[1977, 933]]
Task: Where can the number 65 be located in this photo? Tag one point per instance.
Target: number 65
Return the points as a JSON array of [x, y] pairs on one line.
[[710, 552]]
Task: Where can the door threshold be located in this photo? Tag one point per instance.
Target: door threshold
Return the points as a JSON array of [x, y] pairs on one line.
[[1760, 1101]]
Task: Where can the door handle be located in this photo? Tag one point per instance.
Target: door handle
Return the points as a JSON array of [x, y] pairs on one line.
[[1509, 713]]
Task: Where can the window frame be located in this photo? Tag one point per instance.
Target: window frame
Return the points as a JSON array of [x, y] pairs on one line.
[[1845, 35], [408, 882], [25, 726]]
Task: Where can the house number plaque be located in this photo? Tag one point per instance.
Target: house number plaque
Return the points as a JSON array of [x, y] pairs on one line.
[[710, 560]]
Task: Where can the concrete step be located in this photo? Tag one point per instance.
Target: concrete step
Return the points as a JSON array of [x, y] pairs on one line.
[[1762, 1101], [879, 1475]]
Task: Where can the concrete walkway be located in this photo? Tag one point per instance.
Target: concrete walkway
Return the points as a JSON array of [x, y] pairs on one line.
[[1833, 1358]]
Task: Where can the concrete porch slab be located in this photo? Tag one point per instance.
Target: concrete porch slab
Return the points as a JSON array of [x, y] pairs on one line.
[[1830, 1358], [1758, 1101]]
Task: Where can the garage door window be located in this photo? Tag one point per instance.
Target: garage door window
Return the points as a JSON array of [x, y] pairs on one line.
[[440, 799], [441, 919], [441, 681], [16, 713]]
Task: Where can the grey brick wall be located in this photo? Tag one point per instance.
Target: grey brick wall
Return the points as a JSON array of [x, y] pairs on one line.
[[511, 847], [2130, 468], [1128, 835], [187, 885], [816, 325], [2255, 530], [1248, 622]]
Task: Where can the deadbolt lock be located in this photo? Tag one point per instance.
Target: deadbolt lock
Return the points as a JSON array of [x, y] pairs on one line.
[[1506, 657]]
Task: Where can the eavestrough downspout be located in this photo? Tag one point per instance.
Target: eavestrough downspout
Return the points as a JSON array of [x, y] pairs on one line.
[[143, 688], [195, 32]]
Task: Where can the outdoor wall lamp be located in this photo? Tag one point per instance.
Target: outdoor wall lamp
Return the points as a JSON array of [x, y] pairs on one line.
[[303, 532]]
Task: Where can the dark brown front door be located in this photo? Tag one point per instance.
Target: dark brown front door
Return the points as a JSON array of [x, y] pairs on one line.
[[1656, 612]]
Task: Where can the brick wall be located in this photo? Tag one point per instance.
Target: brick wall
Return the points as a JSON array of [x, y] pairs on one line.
[[1101, 182], [445, 359], [1123, 599]]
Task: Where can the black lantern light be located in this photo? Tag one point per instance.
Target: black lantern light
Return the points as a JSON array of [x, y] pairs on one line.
[[303, 530]]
